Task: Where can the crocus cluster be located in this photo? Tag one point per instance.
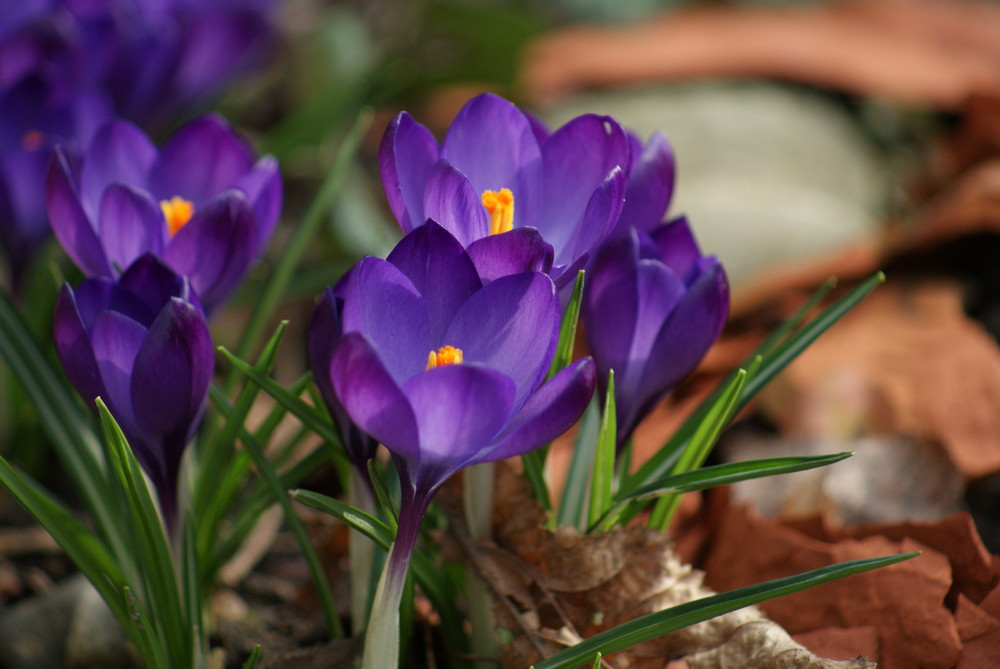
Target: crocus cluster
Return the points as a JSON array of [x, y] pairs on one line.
[[590, 195], [141, 343], [202, 203], [66, 66]]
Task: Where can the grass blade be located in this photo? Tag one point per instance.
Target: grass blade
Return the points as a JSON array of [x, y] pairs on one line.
[[575, 489], [304, 233], [602, 481], [702, 442], [309, 415], [733, 472], [150, 551]]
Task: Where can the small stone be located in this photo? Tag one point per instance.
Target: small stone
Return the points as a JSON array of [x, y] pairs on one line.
[[33, 632], [96, 639]]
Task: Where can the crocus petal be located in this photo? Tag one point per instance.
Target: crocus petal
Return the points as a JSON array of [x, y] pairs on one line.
[[69, 222], [153, 283], [610, 304], [658, 291], [677, 248], [172, 371], [325, 331], [262, 186], [215, 248], [511, 325], [458, 409], [450, 199], [371, 397], [131, 224], [382, 303], [683, 340], [599, 219], [577, 159], [547, 414], [490, 141], [214, 46], [650, 186], [203, 158], [116, 340], [406, 156], [538, 127], [515, 251], [119, 153], [440, 270], [74, 348]]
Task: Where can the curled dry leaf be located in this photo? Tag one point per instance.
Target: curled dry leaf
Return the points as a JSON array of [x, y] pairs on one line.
[[928, 52], [582, 585]]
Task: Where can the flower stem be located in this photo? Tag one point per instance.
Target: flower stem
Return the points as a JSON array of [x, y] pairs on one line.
[[478, 483], [382, 639], [361, 551]]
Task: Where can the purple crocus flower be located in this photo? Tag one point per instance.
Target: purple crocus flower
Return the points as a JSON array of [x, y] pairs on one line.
[[200, 203], [498, 169], [141, 343], [652, 307], [34, 118], [159, 58], [447, 370]]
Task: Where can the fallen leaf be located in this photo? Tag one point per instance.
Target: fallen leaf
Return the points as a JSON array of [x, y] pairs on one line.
[[903, 602], [927, 52], [923, 365]]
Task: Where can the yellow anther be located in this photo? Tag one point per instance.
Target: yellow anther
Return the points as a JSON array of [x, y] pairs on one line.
[[500, 207], [446, 355], [177, 211]]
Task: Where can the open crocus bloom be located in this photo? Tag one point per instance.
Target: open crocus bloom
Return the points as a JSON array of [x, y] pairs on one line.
[[200, 203], [499, 170], [141, 343], [444, 370], [652, 307]]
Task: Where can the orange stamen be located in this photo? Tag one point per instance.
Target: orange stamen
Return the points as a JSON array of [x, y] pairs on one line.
[[177, 211], [446, 355], [500, 207]]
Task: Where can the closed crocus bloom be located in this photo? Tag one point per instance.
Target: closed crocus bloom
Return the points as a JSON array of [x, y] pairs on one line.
[[201, 203], [652, 307], [141, 343], [446, 371], [500, 178]]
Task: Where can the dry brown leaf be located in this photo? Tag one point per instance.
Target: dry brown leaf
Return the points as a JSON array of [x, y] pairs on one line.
[[928, 52], [925, 369], [904, 602]]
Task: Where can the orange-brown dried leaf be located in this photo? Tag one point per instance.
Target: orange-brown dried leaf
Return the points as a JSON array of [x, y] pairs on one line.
[[904, 602], [924, 367], [928, 52]]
